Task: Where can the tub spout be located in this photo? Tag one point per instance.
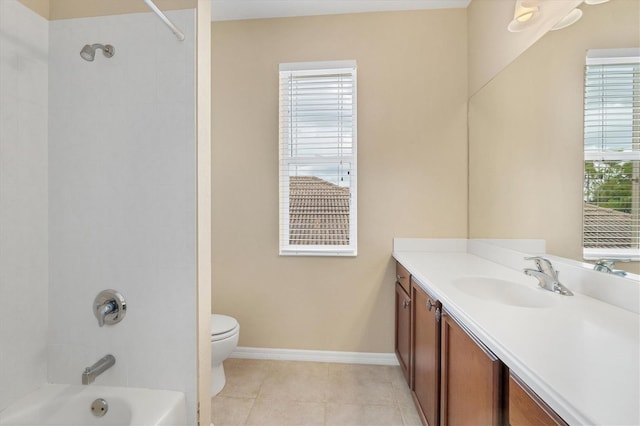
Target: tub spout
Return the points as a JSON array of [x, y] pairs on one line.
[[103, 364]]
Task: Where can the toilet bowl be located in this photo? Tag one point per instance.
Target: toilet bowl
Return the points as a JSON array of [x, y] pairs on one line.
[[225, 331]]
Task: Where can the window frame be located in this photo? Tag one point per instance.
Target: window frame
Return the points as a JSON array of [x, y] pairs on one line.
[[285, 160]]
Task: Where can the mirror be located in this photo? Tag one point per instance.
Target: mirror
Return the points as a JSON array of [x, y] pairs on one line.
[[526, 135]]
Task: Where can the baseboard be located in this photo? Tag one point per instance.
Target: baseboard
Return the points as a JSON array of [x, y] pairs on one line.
[[317, 356]]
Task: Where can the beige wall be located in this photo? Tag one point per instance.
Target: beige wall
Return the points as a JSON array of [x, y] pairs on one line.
[[66, 9], [41, 7], [525, 134], [412, 161], [492, 47]]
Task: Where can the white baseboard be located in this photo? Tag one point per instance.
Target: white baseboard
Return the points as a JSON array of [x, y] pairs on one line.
[[317, 356]]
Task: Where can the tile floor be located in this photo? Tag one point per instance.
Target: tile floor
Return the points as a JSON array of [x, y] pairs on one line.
[[287, 393]]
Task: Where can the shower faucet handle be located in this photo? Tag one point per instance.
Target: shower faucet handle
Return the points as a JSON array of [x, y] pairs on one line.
[[109, 307]]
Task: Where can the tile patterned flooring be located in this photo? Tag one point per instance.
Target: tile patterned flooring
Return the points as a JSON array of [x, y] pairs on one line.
[[288, 393]]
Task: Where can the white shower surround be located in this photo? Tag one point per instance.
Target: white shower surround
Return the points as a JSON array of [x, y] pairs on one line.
[[122, 200], [23, 200]]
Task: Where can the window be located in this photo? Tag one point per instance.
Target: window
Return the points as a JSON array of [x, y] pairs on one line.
[[611, 227], [318, 158]]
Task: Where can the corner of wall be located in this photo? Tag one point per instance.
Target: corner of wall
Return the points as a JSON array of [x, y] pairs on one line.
[[41, 7], [492, 47]]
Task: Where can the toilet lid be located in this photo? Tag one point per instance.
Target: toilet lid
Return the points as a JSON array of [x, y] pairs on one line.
[[221, 324]]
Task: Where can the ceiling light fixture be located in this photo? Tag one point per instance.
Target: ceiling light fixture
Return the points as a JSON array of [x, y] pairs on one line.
[[570, 19], [526, 11], [575, 15]]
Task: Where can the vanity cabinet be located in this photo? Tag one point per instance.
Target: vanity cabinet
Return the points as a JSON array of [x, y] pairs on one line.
[[471, 379], [403, 321], [527, 409], [454, 378], [426, 354]]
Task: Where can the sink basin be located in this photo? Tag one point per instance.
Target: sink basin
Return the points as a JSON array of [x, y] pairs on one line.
[[505, 292]]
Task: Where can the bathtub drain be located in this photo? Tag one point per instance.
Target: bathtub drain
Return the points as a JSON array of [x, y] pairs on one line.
[[99, 407]]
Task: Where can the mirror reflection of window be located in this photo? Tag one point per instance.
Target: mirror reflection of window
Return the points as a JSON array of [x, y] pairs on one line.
[[611, 225]]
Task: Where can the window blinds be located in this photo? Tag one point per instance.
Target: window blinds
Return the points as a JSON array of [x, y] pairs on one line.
[[612, 157], [318, 158]]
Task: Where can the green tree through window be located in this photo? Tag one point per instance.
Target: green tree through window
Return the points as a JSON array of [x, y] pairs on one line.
[[609, 184]]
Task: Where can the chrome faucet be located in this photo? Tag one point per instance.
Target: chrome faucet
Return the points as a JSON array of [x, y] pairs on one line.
[[547, 276], [606, 265], [103, 364], [109, 307]]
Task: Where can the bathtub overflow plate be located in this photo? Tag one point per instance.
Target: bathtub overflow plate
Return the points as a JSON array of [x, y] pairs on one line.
[[99, 407]]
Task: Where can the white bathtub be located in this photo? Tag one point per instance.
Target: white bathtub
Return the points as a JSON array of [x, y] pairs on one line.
[[70, 405]]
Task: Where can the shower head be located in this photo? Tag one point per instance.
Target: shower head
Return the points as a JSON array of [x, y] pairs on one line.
[[88, 52]]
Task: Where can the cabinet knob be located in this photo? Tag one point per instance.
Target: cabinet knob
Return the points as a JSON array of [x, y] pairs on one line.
[[429, 305], [399, 277], [406, 303]]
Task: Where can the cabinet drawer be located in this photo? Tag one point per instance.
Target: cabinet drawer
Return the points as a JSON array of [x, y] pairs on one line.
[[403, 277]]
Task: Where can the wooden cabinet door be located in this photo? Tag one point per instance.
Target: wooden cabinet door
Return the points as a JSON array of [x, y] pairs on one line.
[[426, 355], [527, 409], [471, 379], [403, 331]]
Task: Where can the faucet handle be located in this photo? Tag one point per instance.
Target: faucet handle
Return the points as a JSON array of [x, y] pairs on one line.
[[610, 263], [607, 265], [109, 307], [544, 265]]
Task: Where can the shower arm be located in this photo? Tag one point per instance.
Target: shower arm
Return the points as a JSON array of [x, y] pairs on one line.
[[164, 18]]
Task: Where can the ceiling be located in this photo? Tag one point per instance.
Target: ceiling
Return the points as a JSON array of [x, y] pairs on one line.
[[228, 10]]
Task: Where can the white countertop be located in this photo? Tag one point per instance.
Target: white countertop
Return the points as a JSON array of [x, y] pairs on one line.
[[581, 355]]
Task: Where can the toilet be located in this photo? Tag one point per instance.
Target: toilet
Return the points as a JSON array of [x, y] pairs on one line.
[[225, 331]]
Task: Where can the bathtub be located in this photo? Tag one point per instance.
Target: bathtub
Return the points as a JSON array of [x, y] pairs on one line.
[[70, 405]]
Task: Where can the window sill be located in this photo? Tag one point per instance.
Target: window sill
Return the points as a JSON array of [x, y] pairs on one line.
[[318, 251], [614, 254]]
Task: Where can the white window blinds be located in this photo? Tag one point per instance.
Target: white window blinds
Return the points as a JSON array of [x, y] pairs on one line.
[[318, 159], [612, 154]]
